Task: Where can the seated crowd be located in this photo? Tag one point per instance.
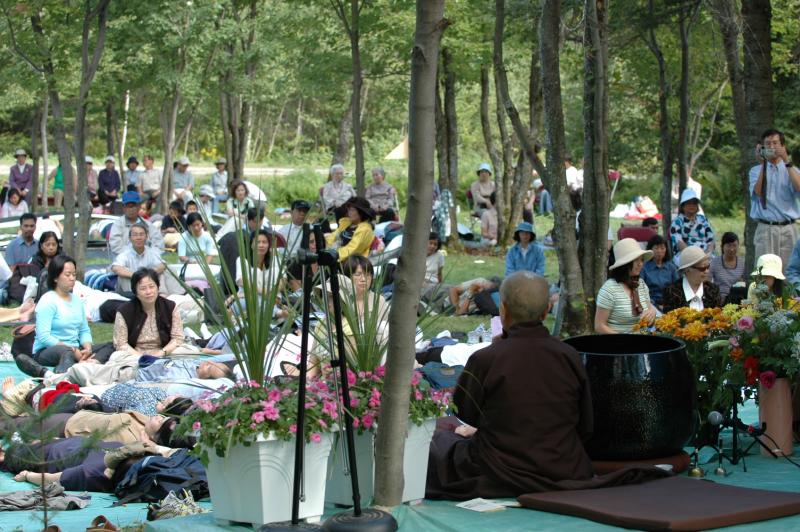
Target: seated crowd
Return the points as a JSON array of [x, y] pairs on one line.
[[135, 387]]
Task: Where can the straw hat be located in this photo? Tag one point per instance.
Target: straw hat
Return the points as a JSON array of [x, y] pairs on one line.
[[771, 265], [691, 256], [628, 250]]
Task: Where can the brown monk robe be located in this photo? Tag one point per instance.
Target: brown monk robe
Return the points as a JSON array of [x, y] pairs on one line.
[[528, 397]]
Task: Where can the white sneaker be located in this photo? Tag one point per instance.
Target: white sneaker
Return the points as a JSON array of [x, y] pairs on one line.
[[188, 332], [205, 332]]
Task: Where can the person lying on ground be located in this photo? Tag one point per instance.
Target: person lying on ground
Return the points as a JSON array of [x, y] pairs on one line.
[[127, 369]]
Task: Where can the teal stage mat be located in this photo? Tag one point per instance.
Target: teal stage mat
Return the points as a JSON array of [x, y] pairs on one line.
[[763, 473]]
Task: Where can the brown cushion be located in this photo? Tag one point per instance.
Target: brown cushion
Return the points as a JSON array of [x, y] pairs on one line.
[[674, 503]]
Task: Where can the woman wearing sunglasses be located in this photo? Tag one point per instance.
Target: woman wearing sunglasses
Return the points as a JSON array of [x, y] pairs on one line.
[[694, 289]]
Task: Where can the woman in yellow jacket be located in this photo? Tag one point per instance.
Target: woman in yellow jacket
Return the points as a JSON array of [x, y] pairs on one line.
[[354, 235]]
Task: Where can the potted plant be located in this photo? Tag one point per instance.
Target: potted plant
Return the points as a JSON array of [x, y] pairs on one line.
[[365, 321], [244, 433]]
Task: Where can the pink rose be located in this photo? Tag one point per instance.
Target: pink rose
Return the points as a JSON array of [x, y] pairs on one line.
[[367, 420], [380, 371], [293, 428], [767, 379], [356, 422], [258, 417], [270, 412], [745, 323], [733, 341], [316, 438], [351, 378], [329, 407], [196, 425]]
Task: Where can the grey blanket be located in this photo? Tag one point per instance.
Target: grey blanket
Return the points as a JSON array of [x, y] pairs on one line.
[[57, 499]]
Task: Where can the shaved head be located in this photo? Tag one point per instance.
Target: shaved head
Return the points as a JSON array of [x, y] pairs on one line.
[[525, 297]]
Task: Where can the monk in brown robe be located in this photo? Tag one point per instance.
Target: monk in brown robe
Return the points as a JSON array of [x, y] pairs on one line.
[[526, 402]]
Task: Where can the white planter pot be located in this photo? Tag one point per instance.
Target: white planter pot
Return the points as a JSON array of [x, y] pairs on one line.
[[254, 484], [415, 466]]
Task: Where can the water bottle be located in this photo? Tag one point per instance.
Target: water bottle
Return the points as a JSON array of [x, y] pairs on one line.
[[486, 334]]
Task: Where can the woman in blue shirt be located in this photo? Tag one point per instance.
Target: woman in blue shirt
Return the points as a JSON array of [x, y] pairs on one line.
[[63, 337], [525, 254], [659, 272]]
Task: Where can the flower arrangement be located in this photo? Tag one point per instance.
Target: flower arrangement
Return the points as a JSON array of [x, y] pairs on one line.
[[763, 343], [249, 410], [366, 388], [696, 328]]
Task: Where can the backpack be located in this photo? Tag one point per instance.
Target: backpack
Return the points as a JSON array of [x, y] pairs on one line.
[[152, 478]]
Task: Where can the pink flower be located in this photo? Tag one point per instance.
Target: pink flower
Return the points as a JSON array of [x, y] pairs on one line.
[[258, 417], [418, 395], [351, 378], [196, 425], [367, 420], [270, 412], [767, 379], [375, 398], [380, 371], [415, 378], [293, 428], [362, 375], [316, 438], [745, 323], [733, 341], [253, 426], [254, 384], [356, 422], [322, 423], [232, 423], [274, 396], [329, 407]]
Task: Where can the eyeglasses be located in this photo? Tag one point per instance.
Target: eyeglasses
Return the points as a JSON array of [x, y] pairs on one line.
[[701, 268]]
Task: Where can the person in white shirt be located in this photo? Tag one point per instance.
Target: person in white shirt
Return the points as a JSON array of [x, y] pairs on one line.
[[574, 176], [138, 255], [149, 182], [337, 192], [293, 231], [219, 183]]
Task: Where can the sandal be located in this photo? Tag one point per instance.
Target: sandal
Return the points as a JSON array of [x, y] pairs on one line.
[[101, 524]]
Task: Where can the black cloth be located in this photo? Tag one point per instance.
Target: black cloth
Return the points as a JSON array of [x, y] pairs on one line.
[[229, 251], [674, 296], [528, 396], [134, 315], [169, 222]]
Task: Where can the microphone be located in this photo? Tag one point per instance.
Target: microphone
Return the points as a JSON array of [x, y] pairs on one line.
[[718, 420]]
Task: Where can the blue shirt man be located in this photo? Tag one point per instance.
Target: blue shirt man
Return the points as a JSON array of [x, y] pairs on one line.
[[24, 247], [525, 254]]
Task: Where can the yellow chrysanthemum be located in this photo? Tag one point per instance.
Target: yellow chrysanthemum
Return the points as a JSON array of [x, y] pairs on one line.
[[693, 331]]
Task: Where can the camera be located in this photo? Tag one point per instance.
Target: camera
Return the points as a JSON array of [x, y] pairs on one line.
[[767, 153]]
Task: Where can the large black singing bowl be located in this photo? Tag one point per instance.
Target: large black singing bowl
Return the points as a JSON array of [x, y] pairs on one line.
[[643, 394]]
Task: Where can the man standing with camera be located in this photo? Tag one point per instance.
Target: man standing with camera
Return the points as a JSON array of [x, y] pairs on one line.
[[774, 189]]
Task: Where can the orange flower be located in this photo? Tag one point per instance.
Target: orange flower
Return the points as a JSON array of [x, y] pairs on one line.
[[737, 353], [693, 331]]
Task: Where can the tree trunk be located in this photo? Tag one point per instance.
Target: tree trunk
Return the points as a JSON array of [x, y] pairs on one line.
[[111, 144], [688, 12], [342, 153], [665, 138], [355, 105], [725, 13], [486, 127], [275, 128], [441, 138], [451, 129], [126, 109], [411, 265], [35, 127], [45, 164], [169, 121], [224, 115], [575, 314], [593, 243], [298, 133], [89, 67], [758, 93]]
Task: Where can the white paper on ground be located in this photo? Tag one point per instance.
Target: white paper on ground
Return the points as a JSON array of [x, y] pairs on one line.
[[481, 505]]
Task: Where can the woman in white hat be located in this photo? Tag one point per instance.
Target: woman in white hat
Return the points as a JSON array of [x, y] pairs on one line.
[[690, 228], [768, 274], [693, 289], [623, 301]]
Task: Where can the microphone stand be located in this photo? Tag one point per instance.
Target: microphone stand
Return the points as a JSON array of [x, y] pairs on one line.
[[370, 519]]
